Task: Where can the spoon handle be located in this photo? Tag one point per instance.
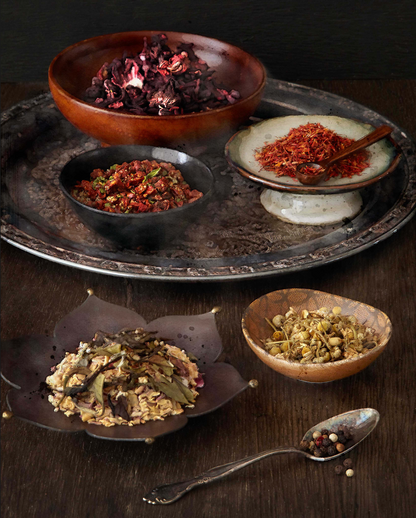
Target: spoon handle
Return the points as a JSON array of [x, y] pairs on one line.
[[364, 142], [169, 493]]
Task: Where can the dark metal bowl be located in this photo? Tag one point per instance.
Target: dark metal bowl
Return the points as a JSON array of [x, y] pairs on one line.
[[132, 230]]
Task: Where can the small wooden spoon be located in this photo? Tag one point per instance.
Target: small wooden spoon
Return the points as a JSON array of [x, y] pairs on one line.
[[323, 166]]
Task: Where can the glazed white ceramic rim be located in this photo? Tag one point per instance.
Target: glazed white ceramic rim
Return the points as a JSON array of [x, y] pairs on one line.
[[243, 148]]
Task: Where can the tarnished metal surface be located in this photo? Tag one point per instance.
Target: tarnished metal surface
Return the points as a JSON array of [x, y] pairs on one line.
[[27, 361], [235, 239]]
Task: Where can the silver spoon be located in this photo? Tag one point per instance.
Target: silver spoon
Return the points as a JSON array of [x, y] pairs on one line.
[[323, 166], [360, 423]]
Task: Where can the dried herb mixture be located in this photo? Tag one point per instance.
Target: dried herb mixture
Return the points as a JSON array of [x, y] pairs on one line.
[[127, 378], [135, 187], [159, 81], [319, 336]]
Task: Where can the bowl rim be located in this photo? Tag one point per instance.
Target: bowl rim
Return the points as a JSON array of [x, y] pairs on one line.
[[314, 366], [53, 81], [140, 215]]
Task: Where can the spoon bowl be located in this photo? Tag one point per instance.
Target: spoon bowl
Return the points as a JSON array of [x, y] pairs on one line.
[[320, 169], [360, 423], [306, 176]]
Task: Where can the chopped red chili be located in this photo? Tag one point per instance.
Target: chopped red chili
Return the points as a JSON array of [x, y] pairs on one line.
[[311, 142], [135, 187]]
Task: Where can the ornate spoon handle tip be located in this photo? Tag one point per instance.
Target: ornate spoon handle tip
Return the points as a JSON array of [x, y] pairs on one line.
[[169, 493]]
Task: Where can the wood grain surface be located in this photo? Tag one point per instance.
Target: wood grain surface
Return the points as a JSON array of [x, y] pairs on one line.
[[48, 474]]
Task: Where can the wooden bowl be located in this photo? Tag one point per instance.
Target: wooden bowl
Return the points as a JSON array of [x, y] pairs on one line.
[[71, 72], [256, 329]]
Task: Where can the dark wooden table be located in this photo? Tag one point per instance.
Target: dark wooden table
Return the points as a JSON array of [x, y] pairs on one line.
[[50, 474]]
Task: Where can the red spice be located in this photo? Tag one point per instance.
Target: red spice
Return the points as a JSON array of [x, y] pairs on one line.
[[310, 143], [135, 187], [159, 81]]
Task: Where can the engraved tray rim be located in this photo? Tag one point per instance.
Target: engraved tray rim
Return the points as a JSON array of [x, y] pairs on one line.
[[301, 99]]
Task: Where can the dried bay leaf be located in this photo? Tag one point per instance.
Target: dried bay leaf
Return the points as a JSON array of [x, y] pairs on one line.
[[185, 390], [97, 388], [108, 351], [170, 390]]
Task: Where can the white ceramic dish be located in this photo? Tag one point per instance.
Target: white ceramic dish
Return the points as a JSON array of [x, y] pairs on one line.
[[241, 149], [312, 209]]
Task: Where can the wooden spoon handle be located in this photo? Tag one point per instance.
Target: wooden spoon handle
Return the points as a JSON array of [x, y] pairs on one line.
[[364, 142]]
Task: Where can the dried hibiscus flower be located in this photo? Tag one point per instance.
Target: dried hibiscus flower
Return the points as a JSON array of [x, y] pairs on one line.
[[159, 81]]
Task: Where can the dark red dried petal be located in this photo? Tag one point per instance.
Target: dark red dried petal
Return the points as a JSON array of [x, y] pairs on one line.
[[159, 81]]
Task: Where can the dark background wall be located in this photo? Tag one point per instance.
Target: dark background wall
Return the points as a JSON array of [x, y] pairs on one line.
[[295, 39]]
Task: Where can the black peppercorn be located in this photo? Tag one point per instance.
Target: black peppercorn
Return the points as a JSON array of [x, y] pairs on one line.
[[339, 469], [342, 439], [324, 451], [331, 451], [345, 430], [326, 442], [347, 463]]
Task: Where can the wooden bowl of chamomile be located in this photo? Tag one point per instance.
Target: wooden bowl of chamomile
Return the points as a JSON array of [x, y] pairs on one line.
[[256, 329]]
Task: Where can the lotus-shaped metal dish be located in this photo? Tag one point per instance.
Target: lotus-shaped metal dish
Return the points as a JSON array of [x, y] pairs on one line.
[[27, 361]]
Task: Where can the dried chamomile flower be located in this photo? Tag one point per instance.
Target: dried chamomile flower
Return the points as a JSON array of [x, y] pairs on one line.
[[318, 336]]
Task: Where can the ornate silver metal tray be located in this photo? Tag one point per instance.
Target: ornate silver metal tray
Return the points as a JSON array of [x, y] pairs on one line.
[[235, 239]]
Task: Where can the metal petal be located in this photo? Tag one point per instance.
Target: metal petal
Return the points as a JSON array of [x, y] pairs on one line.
[[33, 406], [222, 383], [196, 334], [91, 316], [140, 432], [24, 361]]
